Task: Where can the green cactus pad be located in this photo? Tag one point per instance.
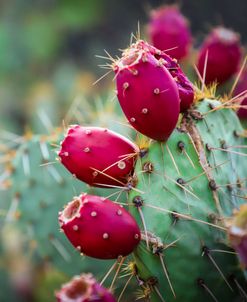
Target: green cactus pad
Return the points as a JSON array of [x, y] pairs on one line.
[[182, 194]]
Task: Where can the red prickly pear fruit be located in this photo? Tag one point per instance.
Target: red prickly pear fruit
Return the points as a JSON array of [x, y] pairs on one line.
[[83, 288], [98, 156], [147, 93], [223, 48], [99, 228], [169, 30], [238, 234], [185, 87], [241, 87]]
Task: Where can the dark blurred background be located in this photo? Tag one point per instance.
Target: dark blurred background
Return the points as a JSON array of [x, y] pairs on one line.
[[48, 47]]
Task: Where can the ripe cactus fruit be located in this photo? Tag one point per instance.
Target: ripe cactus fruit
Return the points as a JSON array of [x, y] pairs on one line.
[[185, 87], [238, 234], [99, 228], [169, 29], [84, 288], [98, 156], [147, 93], [221, 54], [241, 87]]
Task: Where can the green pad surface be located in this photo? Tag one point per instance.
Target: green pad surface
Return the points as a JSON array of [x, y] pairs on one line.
[[182, 207]]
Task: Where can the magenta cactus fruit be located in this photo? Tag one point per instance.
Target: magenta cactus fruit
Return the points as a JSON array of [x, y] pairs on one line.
[[97, 155], [238, 234], [169, 29], [241, 87], [185, 87], [223, 48], [83, 288], [147, 93], [99, 228]]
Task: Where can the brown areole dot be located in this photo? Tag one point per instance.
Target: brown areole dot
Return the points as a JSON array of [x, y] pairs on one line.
[[148, 167], [181, 145]]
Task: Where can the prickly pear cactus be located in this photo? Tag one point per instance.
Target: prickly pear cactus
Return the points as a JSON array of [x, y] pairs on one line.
[[186, 189]]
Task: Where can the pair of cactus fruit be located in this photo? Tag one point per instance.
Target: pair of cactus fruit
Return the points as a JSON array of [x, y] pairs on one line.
[[152, 91]]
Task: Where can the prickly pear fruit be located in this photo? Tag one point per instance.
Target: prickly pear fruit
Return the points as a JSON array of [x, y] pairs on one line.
[[84, 288], [99, 228], [238, 234], [97, 155], [240, 88], [147, 93], [169, 29], [223, 48], [185, 87]]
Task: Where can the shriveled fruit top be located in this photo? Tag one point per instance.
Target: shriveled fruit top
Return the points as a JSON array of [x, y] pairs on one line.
[[83, 288]]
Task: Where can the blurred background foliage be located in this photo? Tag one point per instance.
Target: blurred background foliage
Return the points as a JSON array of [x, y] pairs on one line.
[[48, 66], [48, 47]]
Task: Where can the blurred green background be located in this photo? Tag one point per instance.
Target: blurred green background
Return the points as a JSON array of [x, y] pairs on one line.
[[48, 47]]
